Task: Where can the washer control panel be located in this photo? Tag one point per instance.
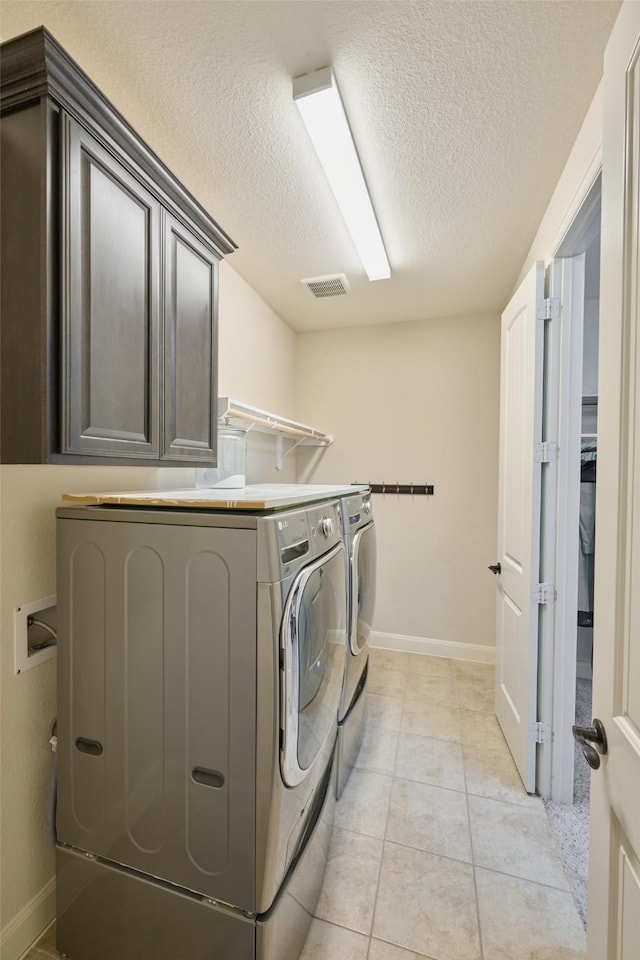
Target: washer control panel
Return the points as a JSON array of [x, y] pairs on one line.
[[326, 526], [294, 537]]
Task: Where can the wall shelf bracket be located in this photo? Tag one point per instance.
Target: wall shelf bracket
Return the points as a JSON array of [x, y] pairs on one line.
[[252, 418]]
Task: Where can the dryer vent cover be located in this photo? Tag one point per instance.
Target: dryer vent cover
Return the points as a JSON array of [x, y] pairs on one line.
[[335, 285]]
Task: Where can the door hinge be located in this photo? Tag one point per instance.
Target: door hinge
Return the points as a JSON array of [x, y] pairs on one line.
[[540, 732], [548, 309], [546, 451], [544, 593]]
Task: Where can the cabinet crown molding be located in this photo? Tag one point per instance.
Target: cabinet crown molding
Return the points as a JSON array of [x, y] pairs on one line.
[[34, 65]]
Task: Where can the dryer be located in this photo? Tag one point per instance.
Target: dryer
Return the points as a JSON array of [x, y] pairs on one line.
[[360, 545], [200, 674]]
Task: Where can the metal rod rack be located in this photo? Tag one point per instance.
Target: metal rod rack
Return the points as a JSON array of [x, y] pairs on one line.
[[411, 489]]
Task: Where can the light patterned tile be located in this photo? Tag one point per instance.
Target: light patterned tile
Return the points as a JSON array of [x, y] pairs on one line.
[[387, 682], [380, 659], [429, 818], [379, 950], [378, 749], [364, 805], [481, 730], [430, 761], [384, 711], [493, 774], [475, 693], [427, 904], [420, 665], [515, 840], [523, 919], [351, 881], [435, 689], [328, 942], [480, 671], [434, 720]]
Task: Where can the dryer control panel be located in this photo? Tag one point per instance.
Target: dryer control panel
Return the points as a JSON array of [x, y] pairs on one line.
[[293, 537]]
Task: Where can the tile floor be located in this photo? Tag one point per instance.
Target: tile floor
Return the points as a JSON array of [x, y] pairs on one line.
[[438, 853]]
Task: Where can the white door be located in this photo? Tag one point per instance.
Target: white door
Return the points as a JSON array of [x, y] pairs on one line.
[[614, 866], [519, 496]]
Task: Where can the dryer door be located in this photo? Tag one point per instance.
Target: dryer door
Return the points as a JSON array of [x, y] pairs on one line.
[[363, 587], [313, 641]]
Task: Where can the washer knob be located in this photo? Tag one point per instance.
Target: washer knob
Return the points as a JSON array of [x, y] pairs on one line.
[[366, 507], [326, 525]]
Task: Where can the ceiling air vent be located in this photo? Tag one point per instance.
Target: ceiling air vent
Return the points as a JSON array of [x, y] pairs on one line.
[[335, 285]]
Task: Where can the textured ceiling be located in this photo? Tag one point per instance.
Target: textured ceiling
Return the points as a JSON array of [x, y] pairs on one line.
[[463, 111]]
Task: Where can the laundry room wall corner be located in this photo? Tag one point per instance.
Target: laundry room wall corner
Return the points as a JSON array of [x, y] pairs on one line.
[[418, 404], [256, 363]]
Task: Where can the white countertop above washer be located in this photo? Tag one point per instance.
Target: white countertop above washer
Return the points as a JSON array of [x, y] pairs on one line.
[[260, 496]]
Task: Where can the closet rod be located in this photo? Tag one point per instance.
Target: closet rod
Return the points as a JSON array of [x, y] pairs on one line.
[[412, 489]]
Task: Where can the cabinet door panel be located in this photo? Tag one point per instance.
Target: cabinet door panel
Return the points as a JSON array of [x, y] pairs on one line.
[[191, 273], [111, 256]]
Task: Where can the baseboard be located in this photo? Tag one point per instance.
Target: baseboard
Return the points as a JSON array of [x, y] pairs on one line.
[[432, 648], [29, 924]]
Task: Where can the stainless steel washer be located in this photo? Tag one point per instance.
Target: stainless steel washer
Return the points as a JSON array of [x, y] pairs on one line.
[[200, 673], [360, 545]]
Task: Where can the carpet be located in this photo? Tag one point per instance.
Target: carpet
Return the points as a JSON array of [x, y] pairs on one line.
[[570, 822]]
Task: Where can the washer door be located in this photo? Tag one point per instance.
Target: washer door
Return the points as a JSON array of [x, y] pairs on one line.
[[363, 587], [313, 637]]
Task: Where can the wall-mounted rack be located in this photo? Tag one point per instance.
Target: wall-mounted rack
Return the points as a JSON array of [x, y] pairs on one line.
[[410, 489], [253, 418]]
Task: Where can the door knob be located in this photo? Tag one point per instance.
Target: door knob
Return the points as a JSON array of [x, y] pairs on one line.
[[495, 568], [586, 736]]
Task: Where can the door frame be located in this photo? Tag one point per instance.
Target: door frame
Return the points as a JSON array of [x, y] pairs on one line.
[[557, 681]]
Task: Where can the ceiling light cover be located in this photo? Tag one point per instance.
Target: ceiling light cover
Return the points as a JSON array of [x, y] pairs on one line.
[[318, 100]]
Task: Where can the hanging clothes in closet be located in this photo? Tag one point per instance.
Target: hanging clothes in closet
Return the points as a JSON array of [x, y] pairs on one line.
[[588, 466]]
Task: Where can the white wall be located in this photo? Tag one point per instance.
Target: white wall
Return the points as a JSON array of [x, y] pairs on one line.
[[416, 402], [256, 361]]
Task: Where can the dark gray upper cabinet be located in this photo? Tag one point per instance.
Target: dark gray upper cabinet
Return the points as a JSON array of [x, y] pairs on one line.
[[110, 305], [190, 381], [108, 336]]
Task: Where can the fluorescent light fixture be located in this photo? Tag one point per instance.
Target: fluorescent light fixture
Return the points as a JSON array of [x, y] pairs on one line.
[[318, 100]]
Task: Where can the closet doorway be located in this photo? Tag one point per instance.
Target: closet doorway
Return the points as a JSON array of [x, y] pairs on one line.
[[578, 265]]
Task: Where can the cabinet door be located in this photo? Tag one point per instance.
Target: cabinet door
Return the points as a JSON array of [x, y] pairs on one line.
[[190, 342], [110, 287]]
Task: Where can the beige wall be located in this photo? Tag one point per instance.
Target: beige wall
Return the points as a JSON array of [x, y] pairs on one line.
[[416, 402], [256, 361], [28, 497], [256, 364], [580, 171]]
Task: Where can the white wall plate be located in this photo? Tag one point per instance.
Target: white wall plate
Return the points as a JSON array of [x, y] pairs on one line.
[[44, 610]]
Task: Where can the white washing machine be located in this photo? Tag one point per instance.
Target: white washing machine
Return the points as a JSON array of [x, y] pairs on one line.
[[360, 544]]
